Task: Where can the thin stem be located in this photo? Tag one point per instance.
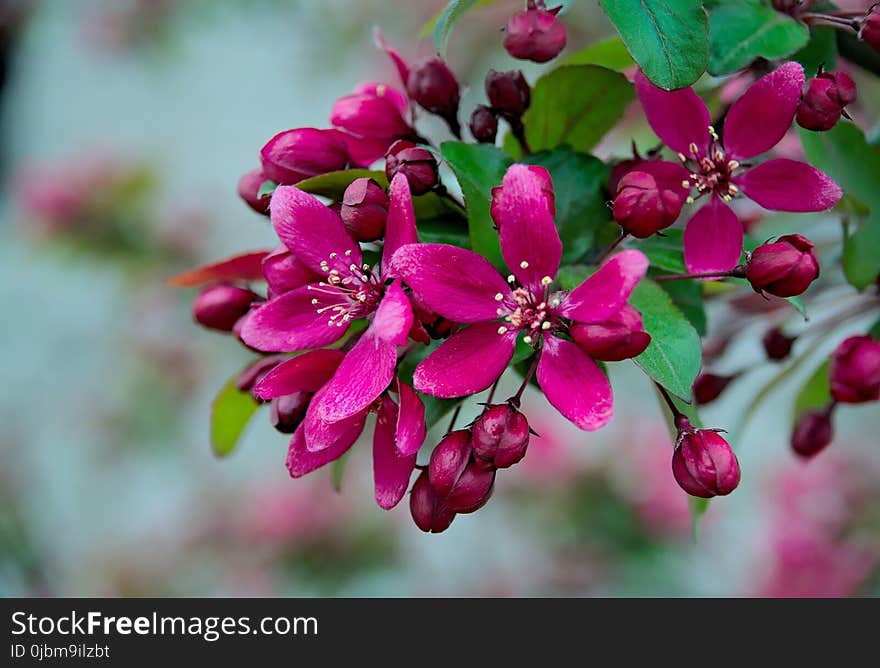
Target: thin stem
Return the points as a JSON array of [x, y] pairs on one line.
[[829, 20], [708, 274], [454, 417], [519, 132], [492, 390], [515, 399], [614, 244], [669, 402]]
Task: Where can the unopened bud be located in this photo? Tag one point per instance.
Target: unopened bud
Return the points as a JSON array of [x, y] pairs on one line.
[[776, 344], [294, 155], [784, 268], [364, 209], [709, 386], [704, 464], [535, 34], [620, 337], [500, 436], [433, 86], [855, 370], [812, 433], [416, 163], [823, 103], [448, 461], [249, 188], [870, 30], [220, 306], [472, 489], [286, 413], [484, 125], [508, 92], [650, 197], [428, 509]]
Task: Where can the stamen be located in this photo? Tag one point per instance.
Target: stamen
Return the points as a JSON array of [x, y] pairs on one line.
[[511, 279], [523, 265], [733, 164], [546, 281], [499, 297], [689, 200], [682, 157], [713, 133], [693, 149], [733, 189], [527, 339], [545, 325], [348, 253], [314, 301], [502, 330], [685, 184], [554, 302], [333, 255]]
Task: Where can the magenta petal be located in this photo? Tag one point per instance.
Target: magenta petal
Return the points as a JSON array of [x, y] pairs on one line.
[[368, 115], [301, 459], [364, 374], [312, 231], [679, 117], [284, 272], [411, 430], [390, 93], [789, 185], [364, 151], [291, 322], [400, 226], [391, 472], [467, 362], [396, 58], [574, 384], [305, 373], [523, 212], [451, 281], [321, 434], [394, 317], [713, 239], [758, 120], [604, 293], [245, 267]]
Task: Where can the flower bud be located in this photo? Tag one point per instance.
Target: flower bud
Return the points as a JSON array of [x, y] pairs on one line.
[[433, 86], [286, 413], [484, 125], [535, 34], [650, 197], [255, 372], [823, 103], [776, 344], [370, 113], [417, 164], [472, 490], [704, 465], [427, 508], [709, 386], [870, 30], [620, 337], [784, 268], [855, 370], [294, 155], [508, 92], [220, 306], [364, 209], [812, 433], [500, 437], [248, 189], [448, 461], [786, 6]]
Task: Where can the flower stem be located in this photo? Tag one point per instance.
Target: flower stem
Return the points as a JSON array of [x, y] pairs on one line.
[[519, 132], [614, 244], [492, 390], [815, 19], [454, 417], [735, 273], [679, 419], [515, 399]]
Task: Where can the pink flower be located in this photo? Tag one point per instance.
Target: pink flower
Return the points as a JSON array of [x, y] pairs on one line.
[[756, 122], [373, 118], [319, 313], [464, 287], [398, 434]]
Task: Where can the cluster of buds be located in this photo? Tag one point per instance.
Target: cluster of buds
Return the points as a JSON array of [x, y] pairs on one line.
[[825, 100], [460, 477], [703, 463], [509, 96], [535, 33]]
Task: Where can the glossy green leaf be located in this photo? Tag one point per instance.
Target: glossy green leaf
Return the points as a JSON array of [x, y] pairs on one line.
[[845, 155], [444, 231], [667, 38], [579, 183], [742, 30], [337, 470], [575, 105], [665, 252], [231, 411], [447, 19], [610, 53], [688, 297], [820, 50], [479, 168], [861, 253], [333, 184], [815, 392], [266, 189], [799, 306], [674, 355]]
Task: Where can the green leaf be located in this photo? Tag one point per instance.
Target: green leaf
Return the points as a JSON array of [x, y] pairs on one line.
[[743, 30], [579, 183], [338, 470], [266, 189], [230, 412], [674, 356], [333, 184], [444, 231], [667, 38], [571, 276], [698, 508], [815, 393], [861, 253], [820, 50], [844, 155], [665, 252], [479, 168], [688, 297], [575, 105], [610, 53], [447, 19], [799, 306], [874, 332]]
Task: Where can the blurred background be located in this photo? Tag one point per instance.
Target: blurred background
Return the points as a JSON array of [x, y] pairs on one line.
[[125, 127]]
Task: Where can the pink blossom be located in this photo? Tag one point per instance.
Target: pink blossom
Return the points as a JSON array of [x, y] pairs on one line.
[[756, 122], [373, 118]]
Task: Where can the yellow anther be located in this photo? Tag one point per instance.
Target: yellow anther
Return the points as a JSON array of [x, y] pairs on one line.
[[690, 200], [499, 297], [511, 279], [527, 339], [685, 184], [733, 164], [523, 265], [332, 255], [502, 330], [545, 325], [546, 281], [348, 252], [682, 157], [693, 148], [314, 302], [554, 302], [733, 189], [713, 133]]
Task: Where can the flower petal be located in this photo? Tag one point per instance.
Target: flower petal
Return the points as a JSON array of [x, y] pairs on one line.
[[789, 185], [305, 373], [366, 115], [313, 232], [284, 272], [713, 239], [391, 472], [394, 95], [291, 322], [396, 58], [759, 119], [679, 117], [400, 226], [523, 211], [604, 293], [245, 267], [467, 362], [411, 430], [301, 460], [394, 316], [321, 434], [364, 151], [453, 282], [574, 384]]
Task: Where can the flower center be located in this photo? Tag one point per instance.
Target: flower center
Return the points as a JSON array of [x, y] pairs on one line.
[[522, 310], [711, 172], [348, 293]]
